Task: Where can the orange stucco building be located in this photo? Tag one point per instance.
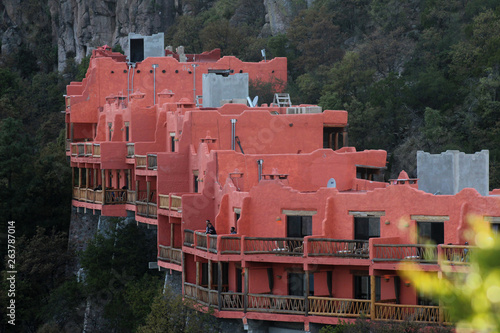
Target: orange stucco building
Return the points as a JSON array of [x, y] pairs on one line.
[[319, 235]]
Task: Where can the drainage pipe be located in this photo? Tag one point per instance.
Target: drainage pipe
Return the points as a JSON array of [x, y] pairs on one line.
[[233, 134]]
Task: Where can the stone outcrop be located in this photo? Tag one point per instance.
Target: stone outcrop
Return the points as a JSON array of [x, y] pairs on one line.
[[79, 26]]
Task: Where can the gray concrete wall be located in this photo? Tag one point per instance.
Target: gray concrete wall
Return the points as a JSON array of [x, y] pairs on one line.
[[154, 45], [452, 171], [217, 88]]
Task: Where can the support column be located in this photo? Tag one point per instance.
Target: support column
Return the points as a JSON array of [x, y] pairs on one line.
[[372, 297], [148, 188], [79, 177], [197, 278], [245, 296], [172, 235], [209, 281], [306, 293], [72, 177], [219, 284]]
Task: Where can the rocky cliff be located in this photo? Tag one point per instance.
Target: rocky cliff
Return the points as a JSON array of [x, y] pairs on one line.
[[78, 26]]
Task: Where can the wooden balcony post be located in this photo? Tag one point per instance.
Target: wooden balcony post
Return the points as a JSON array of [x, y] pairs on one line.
[[209, 281], [171, 234], [183, 272], [245, 296], [197, 277], [95, 179], [219, 284], [103, 183], [72, 177], [86, 177], [148, 188], [79, 177], [306, 293], [372, 297]]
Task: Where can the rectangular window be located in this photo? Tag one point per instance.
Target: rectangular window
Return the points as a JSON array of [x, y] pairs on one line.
[[299, 226], [366, 227], [172, 142], [362, 289], [195, 181], [430, 232], [127, 131]]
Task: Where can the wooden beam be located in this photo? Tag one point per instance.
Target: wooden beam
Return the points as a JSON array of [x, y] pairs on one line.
[[372, 297], [430, 218]]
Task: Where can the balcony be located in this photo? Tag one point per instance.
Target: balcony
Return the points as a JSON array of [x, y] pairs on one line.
[[170, 254], [131, 197], [271, 245], [276, 304], [115, 197], [416, 313], [141, 161], [171, 202], [456, 255], [314, 305], [152, 162], [419, 253], [87, 195], [146, 209], [130, 150], [339, 307], [84, 149], [320, 247]]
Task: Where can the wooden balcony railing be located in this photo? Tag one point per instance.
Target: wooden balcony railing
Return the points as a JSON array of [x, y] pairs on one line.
[[170, 254], [201, 240], [188, 237], [280, 246], [338, 248], [176, 202], [80, 149], [417, 313], [146, 209], [115, 196], [164, 201], [142, 195], [317, 306], [456, 254], [229, 244], [130, 150], [422, 253], [74, 149], [190, 291], [276, 303], [212, 243], [339, 307], [232, 301], [152, 161], [131, 197], [172, 202], [97, 150], [68, 144], [141, 161], [90, 195], [88, 149], [98, 196], [87, 194]]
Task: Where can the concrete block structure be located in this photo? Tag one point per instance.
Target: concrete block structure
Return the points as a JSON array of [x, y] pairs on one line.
[[302, 250], [452, 171], [142, 47], [217, 88]]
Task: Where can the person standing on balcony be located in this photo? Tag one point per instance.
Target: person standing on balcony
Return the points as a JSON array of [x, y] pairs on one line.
[[210, 229]]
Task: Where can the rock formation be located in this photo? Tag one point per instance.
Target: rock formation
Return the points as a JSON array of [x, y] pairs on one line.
[[78, 26]]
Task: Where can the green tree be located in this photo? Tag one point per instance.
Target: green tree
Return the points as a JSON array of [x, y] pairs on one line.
[[473, 299], [171, 314]]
